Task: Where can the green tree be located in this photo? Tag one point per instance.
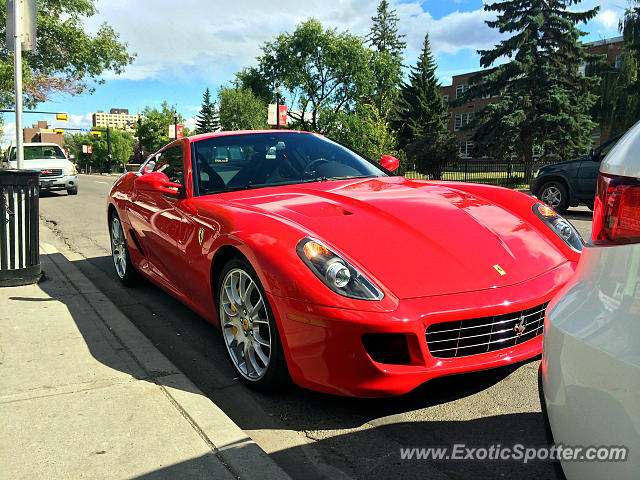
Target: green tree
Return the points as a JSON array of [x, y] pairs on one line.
[[207, 119], [68, 58], [240, 109], [153, 130], [544, 101], [421, 109], [322, 69], [384, 36], [256, 81], [430, 152]]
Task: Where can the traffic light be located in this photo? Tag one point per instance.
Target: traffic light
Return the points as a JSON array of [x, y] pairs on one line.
[[64, 117], [59, 131], [96, 133]]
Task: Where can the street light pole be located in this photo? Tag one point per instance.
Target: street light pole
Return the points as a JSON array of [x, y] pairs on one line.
[[108, 150], [277, 90], [17, 67]]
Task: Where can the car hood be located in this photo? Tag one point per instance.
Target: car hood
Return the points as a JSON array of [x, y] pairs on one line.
[[416, 238], [566, 163]]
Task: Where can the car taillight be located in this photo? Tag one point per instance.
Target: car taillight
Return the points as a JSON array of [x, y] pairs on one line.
[[616, 213]]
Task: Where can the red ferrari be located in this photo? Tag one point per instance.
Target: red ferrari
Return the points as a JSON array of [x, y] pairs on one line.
[[320, 265]]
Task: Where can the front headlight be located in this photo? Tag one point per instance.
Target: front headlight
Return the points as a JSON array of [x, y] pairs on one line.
[[70, 170], [335, 272], [559, 225]]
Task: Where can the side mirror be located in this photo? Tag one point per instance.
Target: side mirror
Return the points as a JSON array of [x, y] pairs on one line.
[[389, 162], [159, 182]]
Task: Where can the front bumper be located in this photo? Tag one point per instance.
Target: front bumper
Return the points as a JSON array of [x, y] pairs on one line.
[[325, 351], [59, 183]]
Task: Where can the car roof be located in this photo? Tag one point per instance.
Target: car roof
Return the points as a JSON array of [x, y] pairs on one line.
[[202, 136], [624, 158]]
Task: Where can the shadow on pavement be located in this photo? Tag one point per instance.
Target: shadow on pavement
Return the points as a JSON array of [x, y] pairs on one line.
[[369, 435]]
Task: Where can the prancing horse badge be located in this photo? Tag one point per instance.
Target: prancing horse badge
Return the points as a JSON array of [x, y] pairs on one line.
[[200, 235], [499, 269]]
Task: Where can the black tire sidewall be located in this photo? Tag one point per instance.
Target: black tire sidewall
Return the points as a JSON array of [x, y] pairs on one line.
[[277, 373]]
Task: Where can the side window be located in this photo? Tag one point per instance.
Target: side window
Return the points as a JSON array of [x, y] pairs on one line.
[[170, 163]]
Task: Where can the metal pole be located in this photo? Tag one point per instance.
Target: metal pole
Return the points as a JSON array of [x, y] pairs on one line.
[[277, 110], [108, 150], [17, 67]]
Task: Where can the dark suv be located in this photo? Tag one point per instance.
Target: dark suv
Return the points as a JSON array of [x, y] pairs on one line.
[[567, 184]]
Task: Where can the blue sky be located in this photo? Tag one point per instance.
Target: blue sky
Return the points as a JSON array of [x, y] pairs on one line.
[[181, 51]]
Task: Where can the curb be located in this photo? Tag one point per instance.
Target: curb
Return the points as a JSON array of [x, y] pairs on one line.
[[237, 451]]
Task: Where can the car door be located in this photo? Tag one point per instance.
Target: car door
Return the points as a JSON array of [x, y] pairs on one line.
[[588, 172], [162, 220]]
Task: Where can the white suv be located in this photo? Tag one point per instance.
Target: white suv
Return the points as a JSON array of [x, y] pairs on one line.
[[590, 370], [56, 171]]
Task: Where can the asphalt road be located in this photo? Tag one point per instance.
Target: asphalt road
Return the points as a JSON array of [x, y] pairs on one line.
[[312, 435]]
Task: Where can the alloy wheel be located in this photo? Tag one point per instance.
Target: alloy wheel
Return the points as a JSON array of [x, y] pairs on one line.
[[552, 196], [118, 247], [245, 324]]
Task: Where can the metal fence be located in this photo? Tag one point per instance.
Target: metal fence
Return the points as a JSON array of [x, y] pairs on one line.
[[484, 170]]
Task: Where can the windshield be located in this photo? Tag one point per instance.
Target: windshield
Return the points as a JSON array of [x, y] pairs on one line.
[[236, 162], [39, 152]]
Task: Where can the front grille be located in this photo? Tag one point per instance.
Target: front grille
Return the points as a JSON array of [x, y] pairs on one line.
[[51, 172], [473, 336]]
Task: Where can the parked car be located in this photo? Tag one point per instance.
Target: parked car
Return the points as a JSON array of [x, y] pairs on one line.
[[56, 171], [319, 264], [590, 370], [568, 184]]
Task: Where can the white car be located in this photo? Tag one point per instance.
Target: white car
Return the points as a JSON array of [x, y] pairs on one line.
[[56, 171], [590, 370]]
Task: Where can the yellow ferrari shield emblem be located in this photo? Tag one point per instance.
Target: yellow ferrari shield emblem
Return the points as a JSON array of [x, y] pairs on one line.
[[499, 269], [200, 235]]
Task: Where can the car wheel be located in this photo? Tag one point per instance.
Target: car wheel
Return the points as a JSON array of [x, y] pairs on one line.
[[72, 191], [556, 195], [248, 327], [121, 261]]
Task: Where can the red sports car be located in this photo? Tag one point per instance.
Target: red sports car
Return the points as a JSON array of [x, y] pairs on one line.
[[320, 265]]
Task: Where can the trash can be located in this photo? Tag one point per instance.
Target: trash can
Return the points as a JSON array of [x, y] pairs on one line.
[[19, 227]]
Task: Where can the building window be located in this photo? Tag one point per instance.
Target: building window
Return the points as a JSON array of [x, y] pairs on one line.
[[466, 148], [460, 89], [618, 62], [445, 99], [582, 69], [461, 119]]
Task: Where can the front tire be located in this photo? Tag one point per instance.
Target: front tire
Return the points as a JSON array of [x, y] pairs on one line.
[[125, 270], [248, 327], [556, 195], [72, 191]]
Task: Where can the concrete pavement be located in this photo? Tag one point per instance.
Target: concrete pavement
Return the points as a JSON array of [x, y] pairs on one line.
[[83, 394]]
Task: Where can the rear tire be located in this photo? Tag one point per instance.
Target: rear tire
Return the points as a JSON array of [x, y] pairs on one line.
[[72, 191], [125, 271], [556, 195], [248, 328]]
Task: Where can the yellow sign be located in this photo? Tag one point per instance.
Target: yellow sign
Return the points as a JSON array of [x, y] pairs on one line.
[[200, 235], [499, 269], [62, 117], [59, 131], [96, 133]]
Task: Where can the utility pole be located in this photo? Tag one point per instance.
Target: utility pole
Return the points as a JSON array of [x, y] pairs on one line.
[[108, 150], [17, 78]]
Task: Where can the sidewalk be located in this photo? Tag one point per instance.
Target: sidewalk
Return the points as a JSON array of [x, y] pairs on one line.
[[83, 394]]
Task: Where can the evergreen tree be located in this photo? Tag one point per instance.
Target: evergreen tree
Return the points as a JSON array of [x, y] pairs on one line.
[[207, 119], [384, 35], [421, 109], [544, 101]]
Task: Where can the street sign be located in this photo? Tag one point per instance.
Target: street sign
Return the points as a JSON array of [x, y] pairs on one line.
[[27, 24], [84, 148], [64, 117], [180, 131], [271, 114], [283, 115], [89, 149], [59, 131], [96, 133]]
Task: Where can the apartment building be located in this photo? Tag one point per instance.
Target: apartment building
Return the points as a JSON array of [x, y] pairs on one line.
[[462, 115], [116, 118]]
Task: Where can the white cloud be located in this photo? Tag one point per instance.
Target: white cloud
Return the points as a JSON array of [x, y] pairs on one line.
[[608, 18], [211, 39], [190, 123]]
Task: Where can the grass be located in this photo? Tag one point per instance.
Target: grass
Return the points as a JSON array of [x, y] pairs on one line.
[[516, 180]]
